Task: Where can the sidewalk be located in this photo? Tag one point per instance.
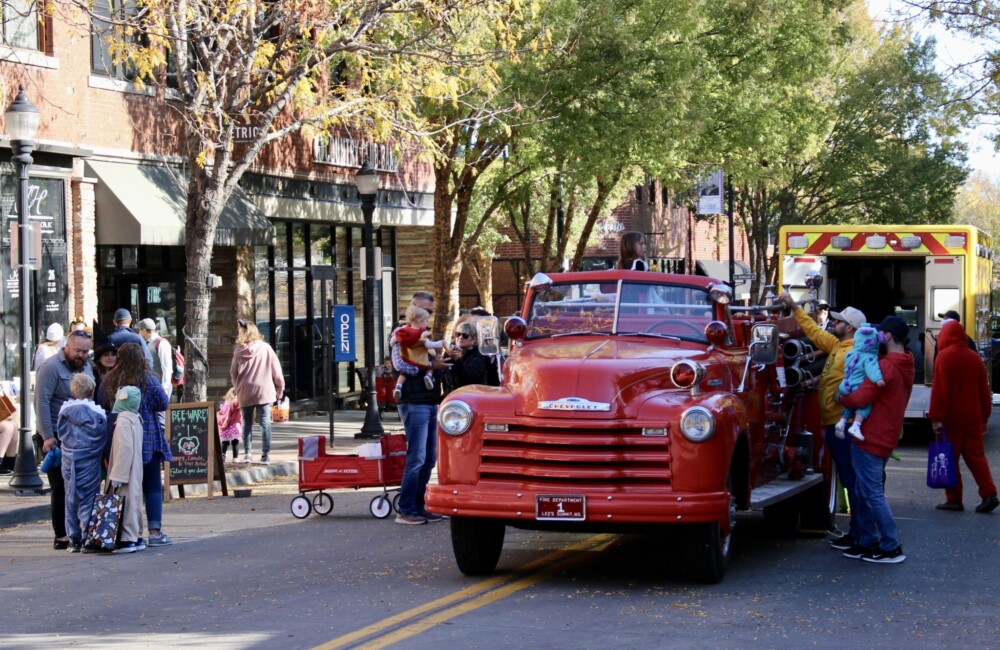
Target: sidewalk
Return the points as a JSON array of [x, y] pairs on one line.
[[16, 510]]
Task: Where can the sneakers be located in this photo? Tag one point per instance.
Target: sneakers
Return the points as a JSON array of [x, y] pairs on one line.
[[989, 504], [858, 551], [855, 431], [397, 393], [954, 506], [428, 381], [140, 545], [124, 547], [76, 547], [247, 459], [160, 540], [432, 518], [264, 460], [878, 556], [410, 520], [838, 429], [843, 542]]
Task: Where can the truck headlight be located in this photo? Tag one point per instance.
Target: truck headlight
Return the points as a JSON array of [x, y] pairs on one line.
[[455, 418], [697, 424]]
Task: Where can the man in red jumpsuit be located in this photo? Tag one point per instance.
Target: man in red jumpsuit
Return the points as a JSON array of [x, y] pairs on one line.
[[961, 402]]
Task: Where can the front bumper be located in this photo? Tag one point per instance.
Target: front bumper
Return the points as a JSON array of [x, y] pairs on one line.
[[518, 507]]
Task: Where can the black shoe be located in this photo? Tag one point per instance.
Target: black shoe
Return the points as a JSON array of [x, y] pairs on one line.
[[989, 504], [843, 542], [60, 544], [878, 556], [858, 551], [75, 546], [954, 506]]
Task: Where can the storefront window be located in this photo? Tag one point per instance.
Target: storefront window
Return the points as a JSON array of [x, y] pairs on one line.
[[49, 283]]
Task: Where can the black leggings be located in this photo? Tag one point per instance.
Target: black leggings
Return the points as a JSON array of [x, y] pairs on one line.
[[236, 447]]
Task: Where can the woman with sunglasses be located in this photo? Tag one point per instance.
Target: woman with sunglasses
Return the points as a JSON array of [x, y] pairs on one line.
[[468, 363]]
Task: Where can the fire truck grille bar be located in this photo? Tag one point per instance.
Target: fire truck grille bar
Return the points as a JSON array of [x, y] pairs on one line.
[[552, 456]]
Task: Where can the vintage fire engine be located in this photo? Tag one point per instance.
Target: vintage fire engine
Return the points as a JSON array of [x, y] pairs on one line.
[[915, 272], [635, 402]]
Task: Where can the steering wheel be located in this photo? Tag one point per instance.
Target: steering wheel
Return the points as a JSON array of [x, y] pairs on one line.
[[678, 321]]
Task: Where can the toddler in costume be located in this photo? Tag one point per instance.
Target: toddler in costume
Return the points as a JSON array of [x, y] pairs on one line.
[[415, 346], [230, 422], [125, 468], [82, 429], [860, 362]]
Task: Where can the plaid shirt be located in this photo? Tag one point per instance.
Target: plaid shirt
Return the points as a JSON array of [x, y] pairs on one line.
[[154, 400]]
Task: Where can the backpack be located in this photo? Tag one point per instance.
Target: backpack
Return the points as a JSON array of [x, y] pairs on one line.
[[177, 372]]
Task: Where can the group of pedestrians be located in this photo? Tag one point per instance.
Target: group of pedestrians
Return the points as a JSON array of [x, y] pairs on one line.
[[960, 404], [80, 417]]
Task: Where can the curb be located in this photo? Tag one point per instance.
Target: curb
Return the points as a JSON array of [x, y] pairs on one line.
[[42, 512]]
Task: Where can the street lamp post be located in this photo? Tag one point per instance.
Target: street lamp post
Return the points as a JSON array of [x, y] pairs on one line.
[[366, 180], [21, 119]]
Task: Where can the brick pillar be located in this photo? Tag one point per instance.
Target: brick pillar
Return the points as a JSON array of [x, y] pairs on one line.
[[82, 249]]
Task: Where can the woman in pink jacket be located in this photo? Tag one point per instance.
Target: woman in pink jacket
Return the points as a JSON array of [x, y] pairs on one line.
[[257, 378]]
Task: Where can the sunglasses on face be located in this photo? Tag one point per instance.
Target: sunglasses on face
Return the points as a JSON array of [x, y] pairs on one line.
[[84, 333], [464, 335]]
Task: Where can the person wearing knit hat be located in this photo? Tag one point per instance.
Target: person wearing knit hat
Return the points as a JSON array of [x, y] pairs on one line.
[[48, 346], [125, 465]]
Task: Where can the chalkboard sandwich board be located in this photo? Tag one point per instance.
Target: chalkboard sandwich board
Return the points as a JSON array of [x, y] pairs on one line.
[[194, 444]]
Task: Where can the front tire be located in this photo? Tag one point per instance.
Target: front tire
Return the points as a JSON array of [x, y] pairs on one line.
[[477, 544], [708, 552]]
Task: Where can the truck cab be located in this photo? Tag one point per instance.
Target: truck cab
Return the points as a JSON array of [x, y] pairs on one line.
[[630, 401]]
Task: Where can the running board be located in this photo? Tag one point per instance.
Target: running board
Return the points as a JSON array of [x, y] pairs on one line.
[[780, 489]]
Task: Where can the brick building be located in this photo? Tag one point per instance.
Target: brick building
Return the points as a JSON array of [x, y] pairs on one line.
[[108, 189]]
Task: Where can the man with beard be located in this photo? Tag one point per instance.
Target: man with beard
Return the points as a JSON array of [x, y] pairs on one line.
[[52, 388]]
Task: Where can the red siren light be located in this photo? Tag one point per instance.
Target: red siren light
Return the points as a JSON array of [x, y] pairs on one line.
[[716, 332], [515, 328]]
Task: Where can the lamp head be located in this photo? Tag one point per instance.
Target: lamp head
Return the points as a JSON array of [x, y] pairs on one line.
[[21, 118], [366, 180]]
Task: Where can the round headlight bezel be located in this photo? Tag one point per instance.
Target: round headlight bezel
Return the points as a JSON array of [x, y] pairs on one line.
[[455, 418], [697, 424]]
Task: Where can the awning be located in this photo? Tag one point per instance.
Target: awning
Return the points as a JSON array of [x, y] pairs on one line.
[[145, 205], [720, 271]]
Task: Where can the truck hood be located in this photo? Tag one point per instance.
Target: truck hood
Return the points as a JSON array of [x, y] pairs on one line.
[[576, 377]]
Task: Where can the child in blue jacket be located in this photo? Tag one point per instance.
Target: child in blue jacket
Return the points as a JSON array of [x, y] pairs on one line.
[[860, 362], [82, 430]]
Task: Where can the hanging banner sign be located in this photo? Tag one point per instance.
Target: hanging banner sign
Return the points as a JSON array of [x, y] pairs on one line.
[[343, 333], [710, 193]]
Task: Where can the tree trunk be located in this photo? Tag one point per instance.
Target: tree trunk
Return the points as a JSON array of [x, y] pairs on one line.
[[204, 205]]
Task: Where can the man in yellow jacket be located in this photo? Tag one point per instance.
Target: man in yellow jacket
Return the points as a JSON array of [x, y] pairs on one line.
[[836, 343]]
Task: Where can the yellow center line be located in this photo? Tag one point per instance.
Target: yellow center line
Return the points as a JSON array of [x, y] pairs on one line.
[[470, 598]]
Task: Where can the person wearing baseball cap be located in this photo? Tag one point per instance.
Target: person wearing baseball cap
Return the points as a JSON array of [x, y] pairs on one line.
[[123, 333], [836, 343], [879, 537], [961, 403]]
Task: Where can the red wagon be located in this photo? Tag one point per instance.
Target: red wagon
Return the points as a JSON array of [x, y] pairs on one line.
[[319, 471]]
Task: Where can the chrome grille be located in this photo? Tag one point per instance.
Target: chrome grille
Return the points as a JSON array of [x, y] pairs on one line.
[[553, 456]]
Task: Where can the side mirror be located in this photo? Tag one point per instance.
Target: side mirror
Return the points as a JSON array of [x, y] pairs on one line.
[[764, 344], [488, 335]]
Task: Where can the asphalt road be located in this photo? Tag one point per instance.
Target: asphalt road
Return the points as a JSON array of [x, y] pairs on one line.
[[245, 574]]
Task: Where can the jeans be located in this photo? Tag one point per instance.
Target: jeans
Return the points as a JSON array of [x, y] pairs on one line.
[[872, 509], [264, 420], [420, 423], [840, 452], [152, 491]]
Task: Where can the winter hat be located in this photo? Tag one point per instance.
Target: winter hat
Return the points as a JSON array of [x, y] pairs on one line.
[[127, 399], [853, 317], [54, 332]]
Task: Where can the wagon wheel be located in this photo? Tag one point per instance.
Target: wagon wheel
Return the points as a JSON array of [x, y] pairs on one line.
[[301, 507], [380, 507], [323, 503]]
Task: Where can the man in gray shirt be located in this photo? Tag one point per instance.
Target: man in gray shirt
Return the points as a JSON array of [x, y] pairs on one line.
[[52, 389]]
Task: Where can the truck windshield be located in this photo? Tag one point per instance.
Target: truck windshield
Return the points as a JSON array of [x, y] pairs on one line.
[[623, 309]]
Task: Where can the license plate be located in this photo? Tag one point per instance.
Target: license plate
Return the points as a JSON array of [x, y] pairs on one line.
[[560, 507]]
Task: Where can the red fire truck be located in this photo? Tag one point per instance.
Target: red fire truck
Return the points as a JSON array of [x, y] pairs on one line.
[[632, 402]]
